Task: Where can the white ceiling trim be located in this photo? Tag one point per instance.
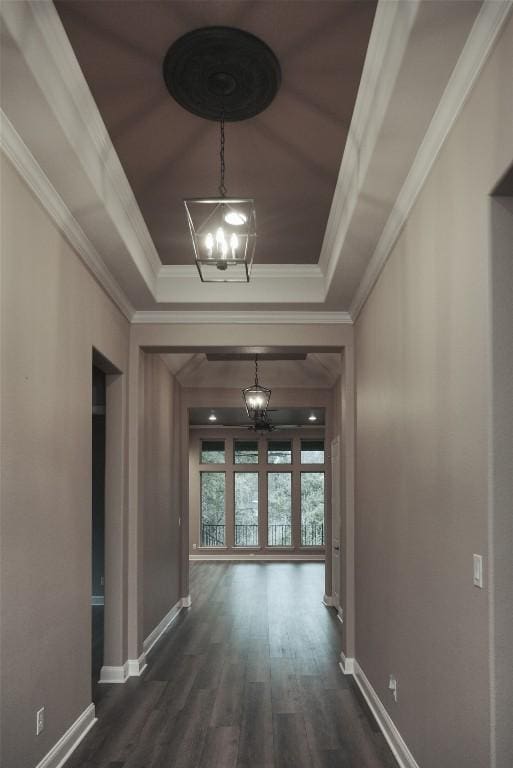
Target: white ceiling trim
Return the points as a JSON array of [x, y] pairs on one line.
[[262, 271], [388, 41], [25, 163], [278, 283], [40, 36], [244, 318], [478, 46]]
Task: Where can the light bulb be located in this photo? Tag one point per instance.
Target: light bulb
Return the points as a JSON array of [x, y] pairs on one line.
[[235, 218], [212, 417], [224, 249], [312, 417], [209, 243], [219, 236], [234, 244]]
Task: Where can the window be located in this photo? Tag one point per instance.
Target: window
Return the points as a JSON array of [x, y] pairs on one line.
[[212, 509], [279, 452], [246, 509], [312, 509], [312, 451], [212, 452], [279, 509], [245, 452]]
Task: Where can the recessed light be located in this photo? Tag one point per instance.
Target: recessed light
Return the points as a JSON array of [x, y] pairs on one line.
[[212, 417], [312, 417], [235, 218]]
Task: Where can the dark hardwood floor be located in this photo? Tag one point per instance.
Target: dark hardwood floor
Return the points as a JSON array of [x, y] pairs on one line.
[[246, 678]]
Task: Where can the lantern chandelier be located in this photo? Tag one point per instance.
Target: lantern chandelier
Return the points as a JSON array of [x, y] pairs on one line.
[[226, 75], [256, 399]]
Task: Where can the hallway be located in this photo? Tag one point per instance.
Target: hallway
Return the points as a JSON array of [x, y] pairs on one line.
[[248, 678]]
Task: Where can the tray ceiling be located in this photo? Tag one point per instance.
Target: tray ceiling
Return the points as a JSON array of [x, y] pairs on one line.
[[287, 158]]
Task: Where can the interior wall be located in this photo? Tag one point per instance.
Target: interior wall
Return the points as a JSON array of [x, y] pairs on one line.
[[53, 314], [501, 481], [160, 501], [423, 409]]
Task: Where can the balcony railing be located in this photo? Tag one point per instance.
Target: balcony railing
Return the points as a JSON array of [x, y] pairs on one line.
[[278, 535]]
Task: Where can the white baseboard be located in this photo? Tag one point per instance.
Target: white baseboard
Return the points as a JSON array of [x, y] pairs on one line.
[[395, 741], [137, 666], [346, 664], [161, 627], [248, 558], [60, 752], [131, 668], [328, 601], [97, 600], [114, 674]]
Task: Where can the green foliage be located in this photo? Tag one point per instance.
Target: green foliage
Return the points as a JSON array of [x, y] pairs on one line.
[[212, 498]]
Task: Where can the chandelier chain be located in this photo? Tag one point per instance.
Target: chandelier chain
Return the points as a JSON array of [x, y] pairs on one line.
[[256, 369], [222, 188]]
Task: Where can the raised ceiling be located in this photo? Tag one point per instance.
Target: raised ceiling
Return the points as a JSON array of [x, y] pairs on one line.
[[287, 157], [332, 175], [318, 370]]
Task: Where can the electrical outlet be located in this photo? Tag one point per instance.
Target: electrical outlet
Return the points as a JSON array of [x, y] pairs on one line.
[[40, 721], [392, 686], [194, 545]]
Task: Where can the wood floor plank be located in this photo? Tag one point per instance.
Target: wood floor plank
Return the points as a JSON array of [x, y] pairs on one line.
[[221, 747], [290, 743], [256, 737]]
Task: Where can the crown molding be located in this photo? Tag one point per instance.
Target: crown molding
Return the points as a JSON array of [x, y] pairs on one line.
[[389, 37], [31, 172], [258, 271], [54, 66], [242, 318], [476, 50]]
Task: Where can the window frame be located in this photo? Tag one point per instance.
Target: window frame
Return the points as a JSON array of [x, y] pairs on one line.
[[262, 469]]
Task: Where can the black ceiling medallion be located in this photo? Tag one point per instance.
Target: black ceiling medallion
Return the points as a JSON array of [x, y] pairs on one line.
[[222, 72]]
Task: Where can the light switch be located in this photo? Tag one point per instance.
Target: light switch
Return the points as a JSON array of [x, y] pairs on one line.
[[478, 571]]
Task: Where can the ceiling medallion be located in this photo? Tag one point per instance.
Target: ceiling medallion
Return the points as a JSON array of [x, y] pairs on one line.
[[222, 74]]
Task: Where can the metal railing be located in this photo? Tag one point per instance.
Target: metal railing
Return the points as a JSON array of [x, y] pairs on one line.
[[278, 535], [312, 535]]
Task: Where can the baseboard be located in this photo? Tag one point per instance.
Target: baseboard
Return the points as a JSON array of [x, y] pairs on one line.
[[114, 674], [137, 666], [131, 668], [186, 601], [328, 601], [97, 600], [60, 752], [248, 558], [162, 626], [346, 664], [386, 725]]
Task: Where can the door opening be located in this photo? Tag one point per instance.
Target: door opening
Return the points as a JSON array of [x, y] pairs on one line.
[[98, 524]]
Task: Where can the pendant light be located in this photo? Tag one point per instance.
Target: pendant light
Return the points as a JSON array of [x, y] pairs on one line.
[[256, 398], [223, 232], [225, 75]]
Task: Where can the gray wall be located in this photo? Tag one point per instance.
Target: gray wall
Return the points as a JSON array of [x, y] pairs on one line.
[[501, 480], [53, 313], [160, 507], [422, 346]]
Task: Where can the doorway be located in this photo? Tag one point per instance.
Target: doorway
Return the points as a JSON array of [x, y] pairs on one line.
[[98, 432]]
